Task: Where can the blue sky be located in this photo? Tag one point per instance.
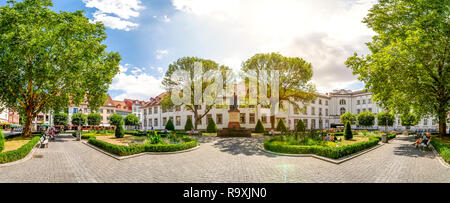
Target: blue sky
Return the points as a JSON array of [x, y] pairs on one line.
[[151, 34]]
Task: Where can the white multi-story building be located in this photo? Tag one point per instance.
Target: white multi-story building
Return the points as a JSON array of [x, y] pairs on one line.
[[322, 113]]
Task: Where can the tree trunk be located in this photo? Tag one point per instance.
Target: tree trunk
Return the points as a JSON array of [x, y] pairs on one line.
[[442, 124], [28, 122]]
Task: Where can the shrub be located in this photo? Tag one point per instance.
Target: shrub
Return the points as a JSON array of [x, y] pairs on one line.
[[131, 120], [136, 149], [61, 119], [169, 125], [348, 135], [334, 153], [79, 119], [20, 153], [2, 141], [300, 126], [281, 126], [442, 149], [120, 133], [212, 127], [259, 127], [348, 117], [155, 139], [385, 119], [366, 119], [189, 126], [94, 119], [116, 119]]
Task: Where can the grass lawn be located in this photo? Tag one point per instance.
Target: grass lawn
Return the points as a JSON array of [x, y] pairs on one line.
[[15, 143], [445, 140], [356, 139]]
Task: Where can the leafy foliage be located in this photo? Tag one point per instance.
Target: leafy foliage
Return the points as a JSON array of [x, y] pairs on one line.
[[120, 132], [300, 126], [348, 135], [61, 119], [94, 119], [409, 119], [212, 127], [366, 119], [116, 119], [169, 125], [188, 126], [79, 119], [385, 119], [259, 127], [131, 120], [2, 141], [281, 126], [50, 59], [348, 117], [407, 67]]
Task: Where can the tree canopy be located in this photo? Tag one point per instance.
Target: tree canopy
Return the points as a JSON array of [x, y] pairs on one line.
[[50, 59], [409, 119], [116, 119], [385, 119], [366, 119], [348, 117], [79, 119], [61, 119], [131, 120], [408, 62], [94, 119]]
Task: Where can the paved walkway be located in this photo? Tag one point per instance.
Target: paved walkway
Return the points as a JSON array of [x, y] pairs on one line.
[[225, 160]]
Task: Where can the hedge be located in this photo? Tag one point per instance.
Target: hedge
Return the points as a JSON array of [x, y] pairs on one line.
[[2, 141], [136, 149], [334, 153], [442, 149], [20, 153]]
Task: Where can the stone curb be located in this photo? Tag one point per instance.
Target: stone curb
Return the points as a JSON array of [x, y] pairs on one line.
[[137, 155], [439, 158], [28, 157]]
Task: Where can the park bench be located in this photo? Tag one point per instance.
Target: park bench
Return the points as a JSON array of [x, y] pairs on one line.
[[425, 147], [43, 142]]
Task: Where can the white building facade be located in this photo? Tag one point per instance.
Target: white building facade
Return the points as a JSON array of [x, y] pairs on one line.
[[323, 113]]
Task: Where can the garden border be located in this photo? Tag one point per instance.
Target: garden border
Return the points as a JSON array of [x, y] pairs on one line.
[[137, 155], [26, 158], [439, 158], [333, 161]]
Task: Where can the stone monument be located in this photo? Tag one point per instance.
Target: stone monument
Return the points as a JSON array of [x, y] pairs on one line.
[[234, 127]]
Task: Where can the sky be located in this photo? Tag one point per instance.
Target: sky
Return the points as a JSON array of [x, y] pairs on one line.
[[151, 34]]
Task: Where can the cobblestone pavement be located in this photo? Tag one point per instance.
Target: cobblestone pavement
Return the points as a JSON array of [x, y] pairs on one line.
[[225, 160]]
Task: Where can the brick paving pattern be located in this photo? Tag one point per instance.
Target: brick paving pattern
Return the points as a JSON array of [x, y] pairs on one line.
[[225, 160]]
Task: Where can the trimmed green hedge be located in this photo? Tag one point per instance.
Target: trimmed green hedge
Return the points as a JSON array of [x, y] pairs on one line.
[[2, 141], [442, 149], [334, 153], [136, 149], [20, 153]]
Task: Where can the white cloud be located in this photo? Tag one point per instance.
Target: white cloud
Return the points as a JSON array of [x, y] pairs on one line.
[[161, 54], [166, 19], [323, 32], [137, 85], [116, 14]]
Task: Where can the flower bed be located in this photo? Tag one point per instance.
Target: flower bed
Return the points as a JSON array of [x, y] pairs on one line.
[[20, 153], [188, 143], [272, 144]]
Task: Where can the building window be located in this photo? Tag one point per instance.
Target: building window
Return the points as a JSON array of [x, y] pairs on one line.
[[320, 102], [305, 121], [343, 110], [150, 111], [326, 102], [242, 118], [178, 121], [145, 111], [156, 122], [342, 102], [370, 109], [209, 116], [425, 122], [155, 110], [313, 111], [369, 101], [313, 124], [359, 111], [364, 101], [149, 121], [219, 119], [264, 119], [252, 118], [358, 102], [320, 111], [326, 112], [164, 121]]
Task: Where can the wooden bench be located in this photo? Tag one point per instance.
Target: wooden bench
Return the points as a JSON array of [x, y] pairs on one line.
[[425, 147]]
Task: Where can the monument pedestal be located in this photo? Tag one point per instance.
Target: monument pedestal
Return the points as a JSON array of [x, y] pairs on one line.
[[234, 127]]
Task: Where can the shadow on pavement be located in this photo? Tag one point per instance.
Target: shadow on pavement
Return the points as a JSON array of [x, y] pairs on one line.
[[410, 149], [245, 146]]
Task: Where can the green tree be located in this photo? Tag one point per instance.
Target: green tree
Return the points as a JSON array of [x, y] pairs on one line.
[[366, 119], [385, 119], [116, 119], [172, 83], [212, 127], [94, 119], [50, 59], [294, 82], [259, 127], [2, 141], [348, 117], [409, 119], [61, 119], [281, 126], [131, 120], [300, 126], [79, 119], [408, 62], [188, 126], [169, 125], [348, 134]]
